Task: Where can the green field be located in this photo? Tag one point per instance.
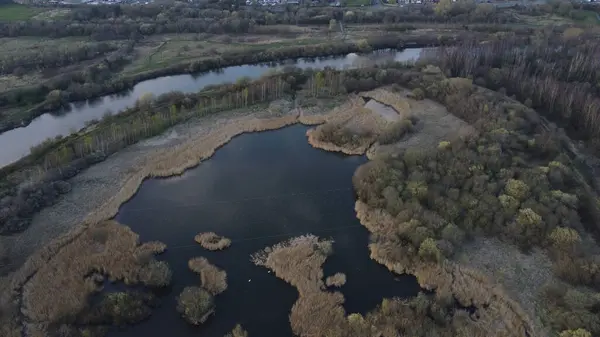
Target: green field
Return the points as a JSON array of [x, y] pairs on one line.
[[585, 16], [17, 12]]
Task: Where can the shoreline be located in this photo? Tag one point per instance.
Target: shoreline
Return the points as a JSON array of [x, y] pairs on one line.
[[214, 64], [165, 159]]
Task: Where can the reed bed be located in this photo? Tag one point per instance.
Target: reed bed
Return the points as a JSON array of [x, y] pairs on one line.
[[399, 102], [61, 287], [238, 331], [195, 304], [212, 241], [213, 279], [336, 280], [496, 310]]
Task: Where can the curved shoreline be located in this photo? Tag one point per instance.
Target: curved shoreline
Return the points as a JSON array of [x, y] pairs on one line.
[[168, 161]]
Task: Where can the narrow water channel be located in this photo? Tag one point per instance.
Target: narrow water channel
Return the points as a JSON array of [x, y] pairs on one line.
[[74, 118], [258, 190]]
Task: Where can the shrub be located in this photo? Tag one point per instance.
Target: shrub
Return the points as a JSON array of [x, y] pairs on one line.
[[527, 217], [237, 331], [429, 251], [562, 237], [395, 131], [575, 333], [195, 304], [418, 94], [443, 145], [517, 189]]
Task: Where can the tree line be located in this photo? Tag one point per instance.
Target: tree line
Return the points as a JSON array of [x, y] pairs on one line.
[[52, 57], [114, 22], [556, 74], [54, 162], [97, 80]]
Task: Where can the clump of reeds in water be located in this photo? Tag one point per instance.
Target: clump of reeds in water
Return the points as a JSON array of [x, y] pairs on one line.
[[336, 280], [62, 286], [213, 279], [196, 304], [212, 241]]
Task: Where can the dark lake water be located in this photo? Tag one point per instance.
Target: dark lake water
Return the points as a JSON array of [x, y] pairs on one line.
[[50, 125], [258, 190]]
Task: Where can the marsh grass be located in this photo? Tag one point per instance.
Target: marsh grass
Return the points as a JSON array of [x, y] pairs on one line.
[[61, 287], [37, 276], [213, 279], [237, 331], [336, 280], [212, 241]]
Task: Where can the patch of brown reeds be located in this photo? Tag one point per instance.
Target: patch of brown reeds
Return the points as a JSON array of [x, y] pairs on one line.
[[61, 287], [212, 241], [213, 279], [400, 103], [336, 280]]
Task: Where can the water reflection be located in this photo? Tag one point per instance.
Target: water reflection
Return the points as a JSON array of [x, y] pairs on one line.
[[258, 190], [16, 143]]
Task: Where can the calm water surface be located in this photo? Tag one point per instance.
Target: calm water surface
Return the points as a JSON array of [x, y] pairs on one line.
[[17, 143], [258, 190]]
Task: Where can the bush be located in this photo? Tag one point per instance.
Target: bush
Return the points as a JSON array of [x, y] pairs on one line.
[[395, 132], [195, 304], [429, 251], [418, 94]]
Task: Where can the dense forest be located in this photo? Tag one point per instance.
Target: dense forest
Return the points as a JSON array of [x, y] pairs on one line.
[[557, 75]]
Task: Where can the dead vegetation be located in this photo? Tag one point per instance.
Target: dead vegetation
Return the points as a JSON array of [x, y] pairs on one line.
[[109, 249], [212, 241], [213, 279], [336, 280], [319, 312]]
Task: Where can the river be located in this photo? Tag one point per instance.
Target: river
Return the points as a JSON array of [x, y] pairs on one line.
[[18, 142], [259, 189]]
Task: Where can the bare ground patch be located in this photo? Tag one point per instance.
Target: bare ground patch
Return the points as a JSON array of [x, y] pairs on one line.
[[522, 275]]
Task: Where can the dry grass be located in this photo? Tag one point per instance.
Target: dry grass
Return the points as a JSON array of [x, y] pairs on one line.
[[399, 103], [38, 269], [109, 249], [212, 278], [336, 280], [212, 241]]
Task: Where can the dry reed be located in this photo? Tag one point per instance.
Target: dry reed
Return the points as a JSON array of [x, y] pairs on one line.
[[237, 331], [212, 241], [336, 280], [213, 279], [110, 249], [497, 311]]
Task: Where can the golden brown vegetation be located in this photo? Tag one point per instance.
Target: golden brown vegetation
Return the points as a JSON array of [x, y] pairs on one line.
[[213, 279], [318, 312], [212, 241], [195, 305], [336, 280], [108, 249]]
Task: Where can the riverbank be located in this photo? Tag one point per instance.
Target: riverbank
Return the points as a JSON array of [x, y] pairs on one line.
[[37, 95]]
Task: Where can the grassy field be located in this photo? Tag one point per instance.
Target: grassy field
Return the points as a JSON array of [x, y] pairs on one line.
[[161, 51], [17, 12], [586, 17]]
